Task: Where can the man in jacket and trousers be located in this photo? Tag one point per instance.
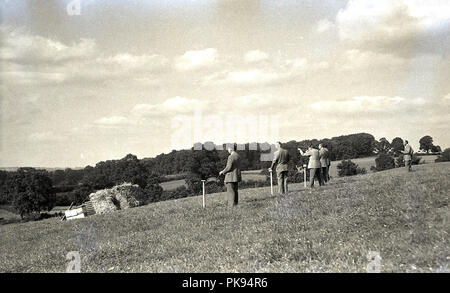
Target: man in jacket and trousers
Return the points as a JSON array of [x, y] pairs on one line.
[[281, 159], [323, 156], [313, 164], [232, 174], [407, 155]]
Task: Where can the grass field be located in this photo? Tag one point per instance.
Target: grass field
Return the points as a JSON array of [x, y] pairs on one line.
[[402, 216], [246, 175], [173, 184]]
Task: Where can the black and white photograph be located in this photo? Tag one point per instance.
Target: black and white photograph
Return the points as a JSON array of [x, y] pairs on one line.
[[245, 137]]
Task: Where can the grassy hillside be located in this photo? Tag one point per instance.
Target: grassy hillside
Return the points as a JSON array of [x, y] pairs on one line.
[[402, 216]]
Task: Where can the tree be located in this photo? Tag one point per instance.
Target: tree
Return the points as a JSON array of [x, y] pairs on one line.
[[384, 162], [444, 157], [31, 191], [426, 143], [397, 145], [436, 149], [383, 146], [348, 168]]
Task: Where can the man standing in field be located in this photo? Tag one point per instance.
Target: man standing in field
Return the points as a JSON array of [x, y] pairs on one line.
[[313, 164], [232, 174], [323, 156], [407, 155], [281, 159]]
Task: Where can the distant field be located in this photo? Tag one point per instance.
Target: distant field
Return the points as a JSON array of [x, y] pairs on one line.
[[361, 162], [428, 159], [6, 215], [253, 175], [401, 216], [171, 185], [246, 175]]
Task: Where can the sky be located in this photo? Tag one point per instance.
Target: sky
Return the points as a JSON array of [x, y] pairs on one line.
[[93, 80]]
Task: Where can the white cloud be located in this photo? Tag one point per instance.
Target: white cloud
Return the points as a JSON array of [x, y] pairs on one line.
[[171, 106], [112, 121], [397, 26], [254, 101], [297, 63], [357, 59], [196, 59], [269, 74], [25, 48], [125, 61], [366, 104], [255, 56], [181, 104], [254, 76], [324, 25], [35, 60]]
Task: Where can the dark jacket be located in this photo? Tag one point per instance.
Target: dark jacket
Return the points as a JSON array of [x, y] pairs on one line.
[[233, 169], [281, 159]]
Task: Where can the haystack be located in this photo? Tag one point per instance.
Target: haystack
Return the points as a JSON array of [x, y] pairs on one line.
[[128, 195], [119, 197], [103, 202]]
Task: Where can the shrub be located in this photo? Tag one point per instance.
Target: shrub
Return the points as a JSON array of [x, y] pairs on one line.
[[444, 157], [384, 162], [400, 162], [348, 168], [194, 183], [153, 193], [179, 192]]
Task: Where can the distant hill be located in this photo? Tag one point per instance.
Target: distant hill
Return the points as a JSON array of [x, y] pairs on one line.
[[50, 169]]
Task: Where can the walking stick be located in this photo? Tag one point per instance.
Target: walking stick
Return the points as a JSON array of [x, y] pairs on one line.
[[203, 184], [271, 183], [304, 175]]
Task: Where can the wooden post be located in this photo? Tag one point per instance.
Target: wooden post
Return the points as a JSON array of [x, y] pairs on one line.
[[203, 184], [304, 175], [271, 183]]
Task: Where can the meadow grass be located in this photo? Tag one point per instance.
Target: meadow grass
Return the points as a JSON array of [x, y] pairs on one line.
[[402, 216]]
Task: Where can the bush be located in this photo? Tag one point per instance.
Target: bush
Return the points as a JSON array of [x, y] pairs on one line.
[[400, 162], [444, 157], [384, 162], [153, 193], [179, 192], [194, 183], [348, 168]]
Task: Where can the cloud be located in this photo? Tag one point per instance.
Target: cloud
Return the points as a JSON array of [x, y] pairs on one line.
[[366, 104], [253, 76], [112, 121], [401, 27], [192, 60], [256, 101], [255, 56], [35, 60], [324, 25], [24, 48], [171, 106], [357, 59]]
